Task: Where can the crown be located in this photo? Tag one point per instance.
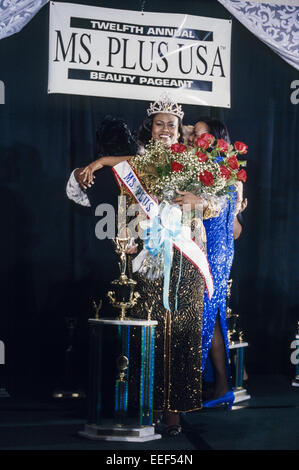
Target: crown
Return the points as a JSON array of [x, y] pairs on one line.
[[166, 105]]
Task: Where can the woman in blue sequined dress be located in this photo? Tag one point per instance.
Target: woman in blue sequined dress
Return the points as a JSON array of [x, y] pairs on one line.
[[220, 232]]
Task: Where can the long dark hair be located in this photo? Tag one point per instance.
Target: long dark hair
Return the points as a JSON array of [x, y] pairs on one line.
[[114, 138], [217, 128], [145, 130]]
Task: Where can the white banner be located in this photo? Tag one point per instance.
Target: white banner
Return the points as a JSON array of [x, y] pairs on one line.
[[124, 54]]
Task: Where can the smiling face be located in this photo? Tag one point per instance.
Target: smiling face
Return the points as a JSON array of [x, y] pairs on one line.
[[165, 128], [199, 129]]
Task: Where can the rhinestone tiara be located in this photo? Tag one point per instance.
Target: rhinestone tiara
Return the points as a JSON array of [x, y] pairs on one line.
[[166, 105]]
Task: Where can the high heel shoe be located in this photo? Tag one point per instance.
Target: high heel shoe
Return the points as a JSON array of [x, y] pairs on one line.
[[228, 398], [173, 430], [169, 430]]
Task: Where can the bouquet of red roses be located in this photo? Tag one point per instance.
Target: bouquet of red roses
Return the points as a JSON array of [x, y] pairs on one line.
[[225, 155], [210, 168]]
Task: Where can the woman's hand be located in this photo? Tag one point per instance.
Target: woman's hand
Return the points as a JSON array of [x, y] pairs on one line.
[[85, 176], [186, 197], [131, 250], [79, 177], [132, 247], [88, 172]]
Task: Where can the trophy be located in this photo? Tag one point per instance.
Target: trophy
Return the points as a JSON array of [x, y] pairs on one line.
[[234, 332], [123, 296], [149, 310], [131, 357], [70, 388], [97, 308]]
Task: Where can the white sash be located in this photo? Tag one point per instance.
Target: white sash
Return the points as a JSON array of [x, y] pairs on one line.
[[125, 175]]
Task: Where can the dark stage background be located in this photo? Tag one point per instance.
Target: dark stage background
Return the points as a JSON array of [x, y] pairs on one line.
[[50, 260]]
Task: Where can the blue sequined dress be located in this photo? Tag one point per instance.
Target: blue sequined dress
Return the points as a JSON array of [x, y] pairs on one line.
[[220, 251]]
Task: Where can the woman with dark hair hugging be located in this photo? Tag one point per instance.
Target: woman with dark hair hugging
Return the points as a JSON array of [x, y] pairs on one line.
[[178, 376], [112, 137]]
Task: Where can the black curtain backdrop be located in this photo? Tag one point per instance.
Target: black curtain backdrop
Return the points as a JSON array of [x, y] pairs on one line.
[[50, 259]]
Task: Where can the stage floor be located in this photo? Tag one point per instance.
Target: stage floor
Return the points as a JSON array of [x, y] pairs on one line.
[[269, 421]]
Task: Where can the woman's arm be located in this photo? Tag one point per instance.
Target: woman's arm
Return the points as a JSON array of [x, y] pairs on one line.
[[241, 205], [186, 197], [74, 191], [87, 174], [209, 208], [237, 228], [239, 198]]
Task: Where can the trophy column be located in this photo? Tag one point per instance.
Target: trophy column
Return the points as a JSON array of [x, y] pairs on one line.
[[240, 392], [137, 428]]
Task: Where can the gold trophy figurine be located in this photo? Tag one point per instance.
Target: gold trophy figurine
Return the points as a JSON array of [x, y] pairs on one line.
[[97, 308], [121, 245], [149, 310], [123, 297]]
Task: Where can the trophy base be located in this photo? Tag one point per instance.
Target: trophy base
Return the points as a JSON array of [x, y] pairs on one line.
[[237, 344], [241, 394], [4, 393], [131, 433], [69, 394]]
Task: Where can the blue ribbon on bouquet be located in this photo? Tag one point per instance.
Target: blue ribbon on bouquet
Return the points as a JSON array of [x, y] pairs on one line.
[[161, 232]]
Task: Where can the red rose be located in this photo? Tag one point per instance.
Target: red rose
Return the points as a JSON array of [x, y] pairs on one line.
[[178, 148], [204, 141], [242, 175], [241, 147], [202, 157], [222, 145], [225, 172], [176, 167], [206, 178], [233, 162]]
